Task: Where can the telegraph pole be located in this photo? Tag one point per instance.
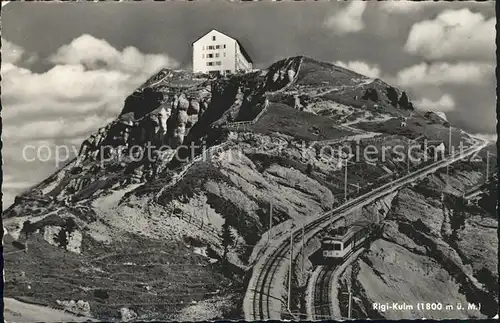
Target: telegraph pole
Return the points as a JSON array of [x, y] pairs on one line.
[[290, 272], [345, 182], [349, 309], [449, 150], [487, 165], [449, 138], [303, 250], [270, 220]]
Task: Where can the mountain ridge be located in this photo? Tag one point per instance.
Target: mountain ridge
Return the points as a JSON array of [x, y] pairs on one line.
[[137, 185]]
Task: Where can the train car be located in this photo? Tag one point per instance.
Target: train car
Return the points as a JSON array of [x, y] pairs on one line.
[[341, 242]]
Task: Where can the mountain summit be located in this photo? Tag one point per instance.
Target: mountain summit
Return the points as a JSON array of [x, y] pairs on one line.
[[161, 214]]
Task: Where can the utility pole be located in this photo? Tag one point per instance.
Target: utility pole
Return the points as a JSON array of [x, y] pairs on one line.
[[450, 153], [345, 182], [303, 250], [270, 220], [290, 272], [487, 165], [449, 139], [349, 309]]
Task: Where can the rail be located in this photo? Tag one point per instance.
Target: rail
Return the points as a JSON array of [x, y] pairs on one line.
[[321, 305], [261, 292]]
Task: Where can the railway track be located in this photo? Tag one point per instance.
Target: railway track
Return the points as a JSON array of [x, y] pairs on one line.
[[321, 305], [264, 297], [324, 298]]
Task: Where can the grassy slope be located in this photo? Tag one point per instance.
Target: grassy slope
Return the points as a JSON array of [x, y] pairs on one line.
[[301, 125], [110, 277]]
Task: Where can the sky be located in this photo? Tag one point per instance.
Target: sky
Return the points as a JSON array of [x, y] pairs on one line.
[[67, 67]]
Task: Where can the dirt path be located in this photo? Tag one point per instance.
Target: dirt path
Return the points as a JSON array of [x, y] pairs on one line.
[[16, 311]]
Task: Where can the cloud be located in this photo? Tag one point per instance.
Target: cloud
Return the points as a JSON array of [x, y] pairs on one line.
[[83, 91], [459, 34], [96, 53], [66, 128], [403, 6], [77, 85], [360, 67], [11, 53], [14, 54], [445, 73], [444, 104], [61, 83], [347, 20], [8, 185]]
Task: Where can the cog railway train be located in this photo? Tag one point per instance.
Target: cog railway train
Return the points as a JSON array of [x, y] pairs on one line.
[[341, 242]]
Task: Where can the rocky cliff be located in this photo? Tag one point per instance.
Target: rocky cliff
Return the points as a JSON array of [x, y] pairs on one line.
[[432, 250]]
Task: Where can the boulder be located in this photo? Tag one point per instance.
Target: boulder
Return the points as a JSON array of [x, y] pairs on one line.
[[291, 75], [182, 117], [282, 75], [127, 314], [79, 307], [180, 131], [276, 75], [183, 103], [192, 119], [163, 115], [204, 105]]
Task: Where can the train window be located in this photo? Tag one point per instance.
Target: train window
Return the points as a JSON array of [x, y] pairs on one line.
[[337, 246]]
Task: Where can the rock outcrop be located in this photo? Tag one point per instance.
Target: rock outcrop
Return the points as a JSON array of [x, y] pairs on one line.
[[138, 201]]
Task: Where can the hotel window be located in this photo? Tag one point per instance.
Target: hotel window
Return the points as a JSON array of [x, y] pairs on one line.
[[224, 54], [213, 38], [218, 63], [203, 48], [217, 46], [224, 45], [217, 55], [210, 55], [210, 63]]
